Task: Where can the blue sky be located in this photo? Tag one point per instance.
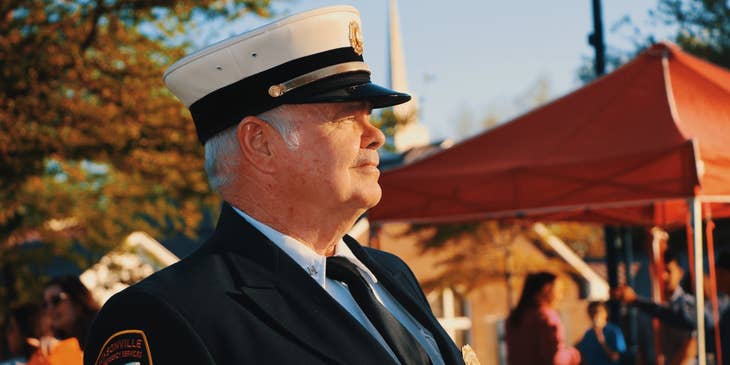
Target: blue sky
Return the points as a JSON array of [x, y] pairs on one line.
[[480, 54]]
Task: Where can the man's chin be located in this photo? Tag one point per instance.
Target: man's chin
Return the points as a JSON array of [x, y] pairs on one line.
[[375, 201], [370, 198]]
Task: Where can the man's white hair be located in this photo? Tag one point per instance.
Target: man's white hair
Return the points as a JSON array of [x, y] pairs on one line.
[[283, 119], [222, 153]]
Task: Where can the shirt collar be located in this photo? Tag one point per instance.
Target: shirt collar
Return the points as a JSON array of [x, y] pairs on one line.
[[313, 263], [343, 250], [678, 292]]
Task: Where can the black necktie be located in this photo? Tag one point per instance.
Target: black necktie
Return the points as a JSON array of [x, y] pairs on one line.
[[403, 344]]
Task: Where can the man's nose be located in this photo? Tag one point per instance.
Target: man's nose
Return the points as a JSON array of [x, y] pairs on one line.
[[372, 137]]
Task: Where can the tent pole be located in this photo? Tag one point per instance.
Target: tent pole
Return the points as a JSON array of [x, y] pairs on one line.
[[709, 227], [689, 232], [696, 209], [656, 248], [627, 244], [610, 234]]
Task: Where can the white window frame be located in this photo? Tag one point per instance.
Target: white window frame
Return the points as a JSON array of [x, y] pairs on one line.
[[449, 321]]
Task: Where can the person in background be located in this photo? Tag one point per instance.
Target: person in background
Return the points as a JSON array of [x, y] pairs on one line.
[[70, 308], [677, 316], [21, 328], [534, 331], [603, 343], [722, 266]]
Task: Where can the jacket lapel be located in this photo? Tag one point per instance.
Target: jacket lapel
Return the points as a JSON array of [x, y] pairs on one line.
[[395, 282], [269, 280]]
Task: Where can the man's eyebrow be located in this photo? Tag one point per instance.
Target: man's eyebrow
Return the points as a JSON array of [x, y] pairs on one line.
[[355, 107]]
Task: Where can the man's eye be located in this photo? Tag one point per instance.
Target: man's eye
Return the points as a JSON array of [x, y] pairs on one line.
[[345, 120]]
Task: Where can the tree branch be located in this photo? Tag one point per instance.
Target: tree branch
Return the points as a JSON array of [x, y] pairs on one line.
[[98, 12]]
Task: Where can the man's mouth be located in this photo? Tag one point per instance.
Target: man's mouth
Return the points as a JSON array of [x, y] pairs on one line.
[[368, 162]]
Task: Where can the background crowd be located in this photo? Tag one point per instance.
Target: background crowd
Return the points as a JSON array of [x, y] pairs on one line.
[[53, 330]]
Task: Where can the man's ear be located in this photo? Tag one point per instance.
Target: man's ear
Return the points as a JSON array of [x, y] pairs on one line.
[[255, 138]]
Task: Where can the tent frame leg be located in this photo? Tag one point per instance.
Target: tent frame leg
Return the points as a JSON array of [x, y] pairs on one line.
[[695, 206]]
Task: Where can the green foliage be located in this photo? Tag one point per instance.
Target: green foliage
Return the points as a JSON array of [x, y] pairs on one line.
[[387, 122], [585, 239], [474, 253], [614, 58], [702, 29], [443, 234], [470, 253], [92, 144]]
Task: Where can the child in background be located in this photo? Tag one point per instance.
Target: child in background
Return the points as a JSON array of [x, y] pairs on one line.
[[603, 343]]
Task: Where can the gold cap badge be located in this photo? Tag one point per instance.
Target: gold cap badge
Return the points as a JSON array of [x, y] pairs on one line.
[[356, 37]]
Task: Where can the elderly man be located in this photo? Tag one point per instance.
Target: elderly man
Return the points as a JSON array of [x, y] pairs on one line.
[[283, 112]]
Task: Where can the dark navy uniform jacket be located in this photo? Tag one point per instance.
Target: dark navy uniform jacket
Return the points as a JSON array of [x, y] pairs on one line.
[[239, 299]]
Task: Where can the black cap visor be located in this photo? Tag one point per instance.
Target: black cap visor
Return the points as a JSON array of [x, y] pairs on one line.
[[378, 96], [348, 87]]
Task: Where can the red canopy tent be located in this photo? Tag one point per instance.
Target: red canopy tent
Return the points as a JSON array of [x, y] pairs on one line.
[[628, 148], [648, 144]]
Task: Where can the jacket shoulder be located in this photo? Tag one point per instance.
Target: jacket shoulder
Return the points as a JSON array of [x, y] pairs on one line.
[[201, 270], [157, 311], [397, 266], [387, 259], [138, 326]]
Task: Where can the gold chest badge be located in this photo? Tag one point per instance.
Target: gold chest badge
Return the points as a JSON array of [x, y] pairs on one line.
[[470, 357], [356, 37]]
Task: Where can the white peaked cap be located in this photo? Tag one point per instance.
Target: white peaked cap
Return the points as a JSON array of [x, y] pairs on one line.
[[310, 57]]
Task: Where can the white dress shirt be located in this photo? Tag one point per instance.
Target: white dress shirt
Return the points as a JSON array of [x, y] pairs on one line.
[[315, 265]]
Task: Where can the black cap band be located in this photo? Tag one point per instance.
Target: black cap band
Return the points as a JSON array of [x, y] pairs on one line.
[[228, 105]]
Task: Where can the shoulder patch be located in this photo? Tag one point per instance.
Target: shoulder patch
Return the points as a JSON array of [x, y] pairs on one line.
[[128, 347]]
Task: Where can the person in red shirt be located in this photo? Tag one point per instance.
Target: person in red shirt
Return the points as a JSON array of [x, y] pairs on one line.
[[534, 331]]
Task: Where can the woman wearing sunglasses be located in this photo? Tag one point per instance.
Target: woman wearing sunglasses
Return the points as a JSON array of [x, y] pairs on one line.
[[70, 309]]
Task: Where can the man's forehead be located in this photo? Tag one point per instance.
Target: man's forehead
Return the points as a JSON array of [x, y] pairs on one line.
[[351, 106], [331, 109], [673, 265]]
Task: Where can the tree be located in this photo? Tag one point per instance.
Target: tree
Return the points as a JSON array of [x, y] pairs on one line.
[[477, 253], [388, 123], [92, 145], [702, 29]]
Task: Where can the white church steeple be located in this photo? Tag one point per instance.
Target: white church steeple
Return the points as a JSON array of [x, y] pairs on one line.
[[409, 133]]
